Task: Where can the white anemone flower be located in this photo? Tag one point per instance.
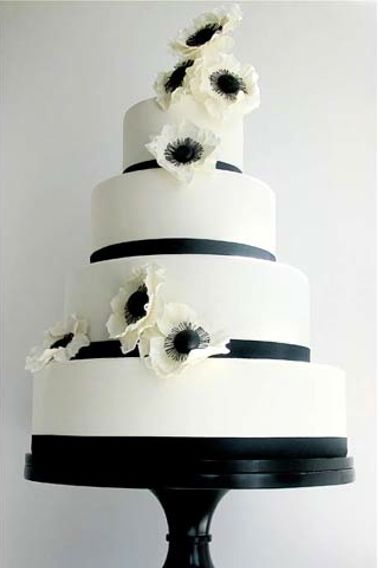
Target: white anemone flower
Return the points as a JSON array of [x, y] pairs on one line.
[[224, 86], [171, 86], [208, 33], [136, 306], [61, 342], [184, 149], [179, 341]]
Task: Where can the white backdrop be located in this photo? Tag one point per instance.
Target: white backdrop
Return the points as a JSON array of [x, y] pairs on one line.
[[69, 71]]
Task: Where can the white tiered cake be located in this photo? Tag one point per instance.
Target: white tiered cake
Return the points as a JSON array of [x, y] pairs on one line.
[[184, 245]]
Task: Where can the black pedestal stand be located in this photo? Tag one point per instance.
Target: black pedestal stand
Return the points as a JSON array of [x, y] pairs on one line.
[[189, 513], [189, 491]]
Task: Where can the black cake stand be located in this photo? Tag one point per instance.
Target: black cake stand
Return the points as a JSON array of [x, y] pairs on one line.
[[188, 487]]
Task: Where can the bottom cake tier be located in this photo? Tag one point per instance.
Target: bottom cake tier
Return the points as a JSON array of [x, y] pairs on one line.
[[256, 409]]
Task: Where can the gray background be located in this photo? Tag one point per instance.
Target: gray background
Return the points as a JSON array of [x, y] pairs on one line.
[[69, 71]]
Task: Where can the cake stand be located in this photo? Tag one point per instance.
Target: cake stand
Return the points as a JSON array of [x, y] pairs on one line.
[[188, 489]]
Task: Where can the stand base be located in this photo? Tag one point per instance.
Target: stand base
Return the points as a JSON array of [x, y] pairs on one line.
[[188, 490]]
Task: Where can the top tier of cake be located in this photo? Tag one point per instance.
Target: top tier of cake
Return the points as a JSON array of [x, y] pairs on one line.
[[183, 158], [146, 119]]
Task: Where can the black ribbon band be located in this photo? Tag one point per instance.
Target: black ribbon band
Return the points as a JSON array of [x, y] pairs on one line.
[[156, 449], [179, 246], [151, 164], [239, 349]]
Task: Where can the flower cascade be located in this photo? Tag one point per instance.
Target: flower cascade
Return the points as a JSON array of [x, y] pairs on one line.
[[207, 72], [168, 336]]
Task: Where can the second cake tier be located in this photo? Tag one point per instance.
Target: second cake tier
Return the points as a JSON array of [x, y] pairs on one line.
[[151, 205]]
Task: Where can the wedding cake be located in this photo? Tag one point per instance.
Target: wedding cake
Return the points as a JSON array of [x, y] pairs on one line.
[[184, 332]]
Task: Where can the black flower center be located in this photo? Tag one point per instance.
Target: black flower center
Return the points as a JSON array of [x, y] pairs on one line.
[[227, 84], [63, 341], [176, 78], [183, 338], [186, 340], [135, 307], [183, 151], [203, 35]]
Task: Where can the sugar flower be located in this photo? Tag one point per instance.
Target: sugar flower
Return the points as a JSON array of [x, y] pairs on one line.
[[179, 340], [184, 149], [170, 86], [208, 33], [224, 86], [61, 342], [136, 306]]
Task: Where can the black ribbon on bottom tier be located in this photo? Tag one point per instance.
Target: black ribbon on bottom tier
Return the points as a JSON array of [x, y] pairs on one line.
[[239, 349], [182, 449]]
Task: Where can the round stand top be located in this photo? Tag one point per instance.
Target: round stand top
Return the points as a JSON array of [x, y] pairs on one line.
[[194, 474]]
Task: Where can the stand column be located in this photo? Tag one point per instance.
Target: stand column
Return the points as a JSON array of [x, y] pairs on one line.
[[189, 513]]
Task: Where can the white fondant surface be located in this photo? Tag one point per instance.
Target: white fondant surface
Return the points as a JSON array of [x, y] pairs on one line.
[[147, 119], [150, 204], [248, 298], [218, 398]]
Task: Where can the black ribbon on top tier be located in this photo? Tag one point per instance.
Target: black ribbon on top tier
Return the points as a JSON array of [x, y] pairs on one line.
[[239, 349], [179, 246], [151, 164]]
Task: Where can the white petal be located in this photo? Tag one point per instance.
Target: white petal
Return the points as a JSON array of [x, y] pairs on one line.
[[163, 365], [71, 323], [199, 355], [196, 356], [37, 359], [116, 325], [154, 311], [165, 98], [144, 344], [173, 314], [78, 341], [118, 302], [154, 278], [231, 17], [60, 355], [145, 339], [60, 329], [129, 341], [80, 327]]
